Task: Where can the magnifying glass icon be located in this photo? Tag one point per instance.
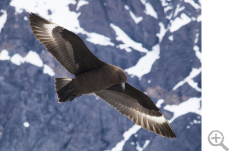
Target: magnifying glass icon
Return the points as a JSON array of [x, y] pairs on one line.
[[216, 138]]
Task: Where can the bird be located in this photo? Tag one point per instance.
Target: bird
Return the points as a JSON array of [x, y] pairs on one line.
[[91, 75]]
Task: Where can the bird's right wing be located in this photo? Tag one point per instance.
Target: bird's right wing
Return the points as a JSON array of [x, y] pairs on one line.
[[138, 107], [66, 47]]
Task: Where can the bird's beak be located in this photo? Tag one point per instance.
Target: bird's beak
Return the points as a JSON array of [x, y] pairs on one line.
[[123, 86]]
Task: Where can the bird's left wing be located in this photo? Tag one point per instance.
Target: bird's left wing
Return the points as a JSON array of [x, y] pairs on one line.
[[65, 46], [138, 107]]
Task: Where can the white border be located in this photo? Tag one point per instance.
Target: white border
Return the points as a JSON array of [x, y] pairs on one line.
[[215, 75]]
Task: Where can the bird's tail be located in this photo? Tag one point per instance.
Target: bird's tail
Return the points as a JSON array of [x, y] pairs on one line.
[[64, 89]]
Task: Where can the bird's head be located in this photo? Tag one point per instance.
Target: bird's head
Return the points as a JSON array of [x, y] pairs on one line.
[[121, 78]]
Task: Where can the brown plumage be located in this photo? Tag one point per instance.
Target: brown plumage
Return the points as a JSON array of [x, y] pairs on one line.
[[95, 76]]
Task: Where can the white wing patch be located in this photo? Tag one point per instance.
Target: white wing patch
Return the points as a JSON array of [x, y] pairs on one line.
[[159, 120], [50, 28]]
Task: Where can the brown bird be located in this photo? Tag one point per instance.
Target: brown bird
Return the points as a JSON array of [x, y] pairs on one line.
[[95, 76]]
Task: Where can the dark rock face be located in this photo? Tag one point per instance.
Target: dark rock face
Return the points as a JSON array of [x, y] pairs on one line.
[[27, 95]]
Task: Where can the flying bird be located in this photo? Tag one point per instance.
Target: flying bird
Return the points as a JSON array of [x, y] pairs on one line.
[[95, 76]]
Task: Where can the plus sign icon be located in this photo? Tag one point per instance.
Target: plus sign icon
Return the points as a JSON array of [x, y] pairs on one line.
[[216, 138]]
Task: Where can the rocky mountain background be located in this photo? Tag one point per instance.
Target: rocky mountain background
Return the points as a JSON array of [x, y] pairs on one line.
[[157, 42]]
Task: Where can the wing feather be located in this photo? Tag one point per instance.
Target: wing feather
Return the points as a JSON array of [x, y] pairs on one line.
[[66, 47], [138, 107]]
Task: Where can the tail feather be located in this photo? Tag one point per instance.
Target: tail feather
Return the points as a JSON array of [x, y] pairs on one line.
[[64, 89], [61, 82]]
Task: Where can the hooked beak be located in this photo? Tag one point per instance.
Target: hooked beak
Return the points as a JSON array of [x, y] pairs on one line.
[[123, 86]]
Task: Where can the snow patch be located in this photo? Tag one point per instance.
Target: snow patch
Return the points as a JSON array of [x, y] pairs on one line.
[[192, 105], [197, 50], [189, 80], [145, 63], [3, 18], [126, 40], [133, 16], [99, 39], [4, 55], [162, 32], [127, 134], [48, 70], [167, 7], [149, 10], [159, 102], [196, 39], [171, 37], [60, 15], [199, 18], [31, 57], [26, 124], [139, 148], [179, 22], [81, 3], [178, 9], [25, 18], [17, 59]]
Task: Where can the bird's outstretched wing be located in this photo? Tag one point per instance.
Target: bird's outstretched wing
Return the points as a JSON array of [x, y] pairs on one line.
[[67, 48], [138, 107]]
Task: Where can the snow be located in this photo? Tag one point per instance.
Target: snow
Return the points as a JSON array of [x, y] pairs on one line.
[[126, 40], [133, 16], [189, 80], [197, 50], [26, 124], [17, 59], [81, 3], [25, 18], [99, 39], [191, 2], [196, 39], [162, 32], [61, 16], [149, 10], [145, 63], [139, 148], [3, 18], [179, 22], [192, 105], [32, 57], [127, 134], [171, 37], [178, 9], [4, 55], [164, 3], [199, 18], [159, 102], [167, 7], [48, 70]]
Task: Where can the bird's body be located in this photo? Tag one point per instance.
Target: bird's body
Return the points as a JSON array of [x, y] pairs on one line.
[[85, 83], [95, 76]]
